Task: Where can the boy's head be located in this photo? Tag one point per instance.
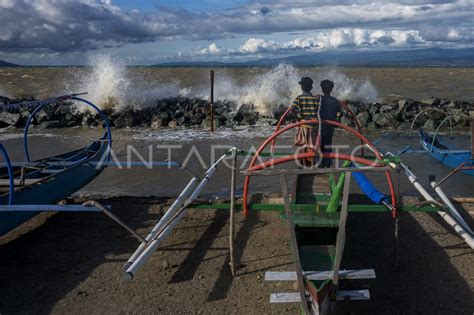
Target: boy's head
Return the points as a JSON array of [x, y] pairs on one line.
[[327, 86], [306, 84]]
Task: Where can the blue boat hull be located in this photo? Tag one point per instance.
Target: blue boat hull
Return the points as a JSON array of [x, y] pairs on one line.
[[53, 187], [438, 152]]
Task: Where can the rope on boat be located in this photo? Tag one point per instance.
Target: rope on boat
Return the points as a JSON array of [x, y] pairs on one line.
[[34, 104], [10, 174]]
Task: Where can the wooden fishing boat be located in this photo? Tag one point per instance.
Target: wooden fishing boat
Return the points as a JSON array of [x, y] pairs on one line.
[[50, 180], [446, 154], [47, 181]]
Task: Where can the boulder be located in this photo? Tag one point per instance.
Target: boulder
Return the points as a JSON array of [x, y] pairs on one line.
[[435, 114], [451, 105], [404, 126], [43, 115], [429, 124], [363, 118], [182, 120], [197, 118], [50, 124], [372, 125], [158, 123], [125, 119], [430, 101], [346, 120], [173, 124], [385, 120], [206, 123], [9, 119], [265, 122]]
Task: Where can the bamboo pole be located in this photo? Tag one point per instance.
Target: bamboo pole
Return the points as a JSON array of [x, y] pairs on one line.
[[341, 234], [294, 245], [232, 210]]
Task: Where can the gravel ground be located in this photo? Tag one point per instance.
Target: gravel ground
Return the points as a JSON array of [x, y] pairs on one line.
[[71, 263]]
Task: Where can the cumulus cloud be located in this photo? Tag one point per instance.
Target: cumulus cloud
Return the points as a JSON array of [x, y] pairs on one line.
[[336, 38], [75, 25], [212, 49]]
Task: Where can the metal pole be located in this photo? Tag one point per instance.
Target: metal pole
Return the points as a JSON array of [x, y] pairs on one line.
[[232, 210], [212, 101], [96, 204], [397, 219]]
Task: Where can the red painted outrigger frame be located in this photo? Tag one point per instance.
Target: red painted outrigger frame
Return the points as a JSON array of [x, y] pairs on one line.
[[364, 140]]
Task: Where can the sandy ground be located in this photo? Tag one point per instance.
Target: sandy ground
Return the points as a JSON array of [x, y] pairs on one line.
[[71, 264]]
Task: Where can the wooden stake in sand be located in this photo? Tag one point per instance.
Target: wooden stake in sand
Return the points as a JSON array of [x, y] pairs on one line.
[[232, 210], [211, 108]]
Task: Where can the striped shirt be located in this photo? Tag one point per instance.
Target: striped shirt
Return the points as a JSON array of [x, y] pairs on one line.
[[306, 106]]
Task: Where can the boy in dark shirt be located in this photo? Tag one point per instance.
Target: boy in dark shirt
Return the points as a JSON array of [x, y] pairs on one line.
[[330, 110]]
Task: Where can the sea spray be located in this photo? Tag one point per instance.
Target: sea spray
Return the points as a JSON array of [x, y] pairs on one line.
[[346, 88], [107, 84], [110, 84], [280, 86]]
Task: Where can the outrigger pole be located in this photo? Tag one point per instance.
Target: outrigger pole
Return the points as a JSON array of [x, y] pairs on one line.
[[167, 223], [445, 215], [34, 104]]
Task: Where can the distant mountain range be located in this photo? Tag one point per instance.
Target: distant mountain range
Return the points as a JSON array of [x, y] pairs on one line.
[[396, 58], [429, 57], [7, 64]]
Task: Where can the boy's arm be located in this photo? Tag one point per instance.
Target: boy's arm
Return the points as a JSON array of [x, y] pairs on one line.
[[295, 106]]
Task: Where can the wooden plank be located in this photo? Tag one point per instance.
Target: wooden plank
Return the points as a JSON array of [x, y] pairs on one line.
[[320, 275], [293, 244], [49, 208], [294, 297], [18, 182], [341, 234], [285, 297], [353, 295], [294, 171]]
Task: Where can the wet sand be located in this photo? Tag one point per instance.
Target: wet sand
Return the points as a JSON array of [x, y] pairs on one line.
[[71, 263]]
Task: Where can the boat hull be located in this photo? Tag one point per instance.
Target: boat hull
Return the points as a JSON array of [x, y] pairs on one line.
[[438, 152], [52, 188]]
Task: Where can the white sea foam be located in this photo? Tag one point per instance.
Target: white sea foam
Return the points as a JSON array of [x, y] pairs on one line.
[[111, 85], [196, 134], [14, 136]]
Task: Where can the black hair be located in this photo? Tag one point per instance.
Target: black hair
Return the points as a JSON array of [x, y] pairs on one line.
[[327, 86], [306, 87]]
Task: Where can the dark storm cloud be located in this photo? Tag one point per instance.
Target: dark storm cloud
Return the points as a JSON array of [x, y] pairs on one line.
[[67, 25]]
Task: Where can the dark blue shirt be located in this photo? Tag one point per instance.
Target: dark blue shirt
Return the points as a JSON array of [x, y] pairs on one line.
[[330, 107]]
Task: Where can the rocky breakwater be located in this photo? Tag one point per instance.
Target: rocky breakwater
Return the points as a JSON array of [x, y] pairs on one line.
[[180, 112]]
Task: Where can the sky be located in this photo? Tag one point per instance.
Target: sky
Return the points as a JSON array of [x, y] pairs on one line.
[[140, 32]]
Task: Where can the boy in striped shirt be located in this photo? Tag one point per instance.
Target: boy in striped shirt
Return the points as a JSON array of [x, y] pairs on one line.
[[306, 107]]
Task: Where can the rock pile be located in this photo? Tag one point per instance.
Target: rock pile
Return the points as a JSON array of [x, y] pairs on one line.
[[180, 112]]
